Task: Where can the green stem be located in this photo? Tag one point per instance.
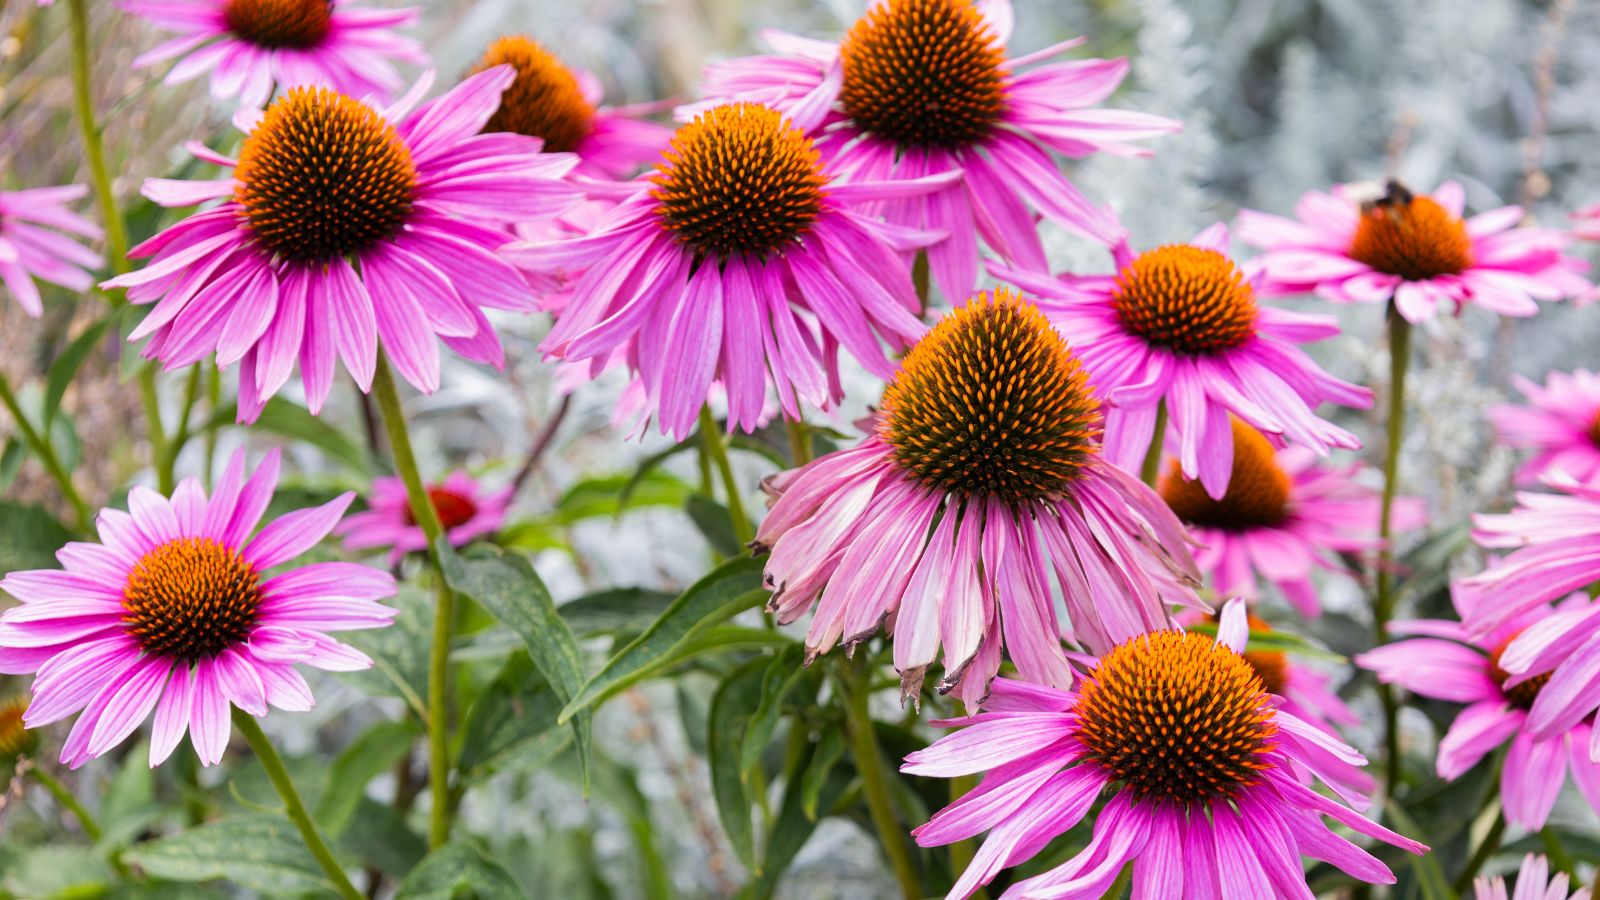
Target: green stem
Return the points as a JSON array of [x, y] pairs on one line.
[[1557, 851], [1151, 470], [799, 441], [1383, 607], [159, 451], [47, 455], [213, 400], [296, 810], [961, 852], [422, 509], [863, 739], [718, 451], [1491, 843], [49, 782], [93, 145]]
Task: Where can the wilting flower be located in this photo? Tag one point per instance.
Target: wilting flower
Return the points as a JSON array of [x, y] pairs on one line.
[[253, 47], [1533, 883], [1178, 328], [1198, 762], [561, 106], [465, 508], [1561, 421], [30, 247], [1414, 249], [1557, 537], [714, 266], [919, 87], [173, 613], [1283, 516], [979, 478], [1447, 662], [322, 181]]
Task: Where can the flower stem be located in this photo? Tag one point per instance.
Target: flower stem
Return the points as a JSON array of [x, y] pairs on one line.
[[1383, 607], [863, 739], [296, 810], [1151, 470], [799, 440], [718, 452], [422, 509], [49, 782], [93, 145], [1557, 851], [1491, 843], [47, 455]]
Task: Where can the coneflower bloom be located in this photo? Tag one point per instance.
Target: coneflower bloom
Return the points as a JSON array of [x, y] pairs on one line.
[[979, 478], [717, 264], [466, 508], [1283, 516], [561, 106], [173, 613], [1199, 765], [1414, 249], [1557, 551], [250, 48], [918, 87], [31, 247], [1533, 883], [1561, 421], [1447, 662], [1586, 223], [16, 740], [1179, 328], [342, 227]]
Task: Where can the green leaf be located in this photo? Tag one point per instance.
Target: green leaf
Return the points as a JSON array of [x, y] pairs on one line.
[[378, 837], [596, 498], [715, 523], [69, 362], [1429, 874], [513, 723], [11, 459], [458, 869], [51, 870], [647, 468], [795, 824], [783, 673], [732, 707], [819, 774], [377, 751], [257, 852], [288, 420], [29, 537], [129, 806], [616, 610], [727, 590], [400, 652], [619, 785], [506, 585]]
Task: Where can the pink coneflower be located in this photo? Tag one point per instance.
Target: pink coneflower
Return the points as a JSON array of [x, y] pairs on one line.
[[1199, 765], [465, 508], [1178, 329], [1558, 541], [1586, 223], [1414, 249], [561, 106], [919, 87], [1447, 662], [715, 266], [1283, 516], [1533, 883], [266, 279], [1561, 421], [984, 455], [31, 248], [253, 47], [173, 613]]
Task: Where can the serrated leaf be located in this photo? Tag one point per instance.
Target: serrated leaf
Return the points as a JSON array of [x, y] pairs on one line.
[[66, 366], [376, 751], [506, 585], [513, 722], [257, 852], [727, 590], [732, 707], [459, 869]]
